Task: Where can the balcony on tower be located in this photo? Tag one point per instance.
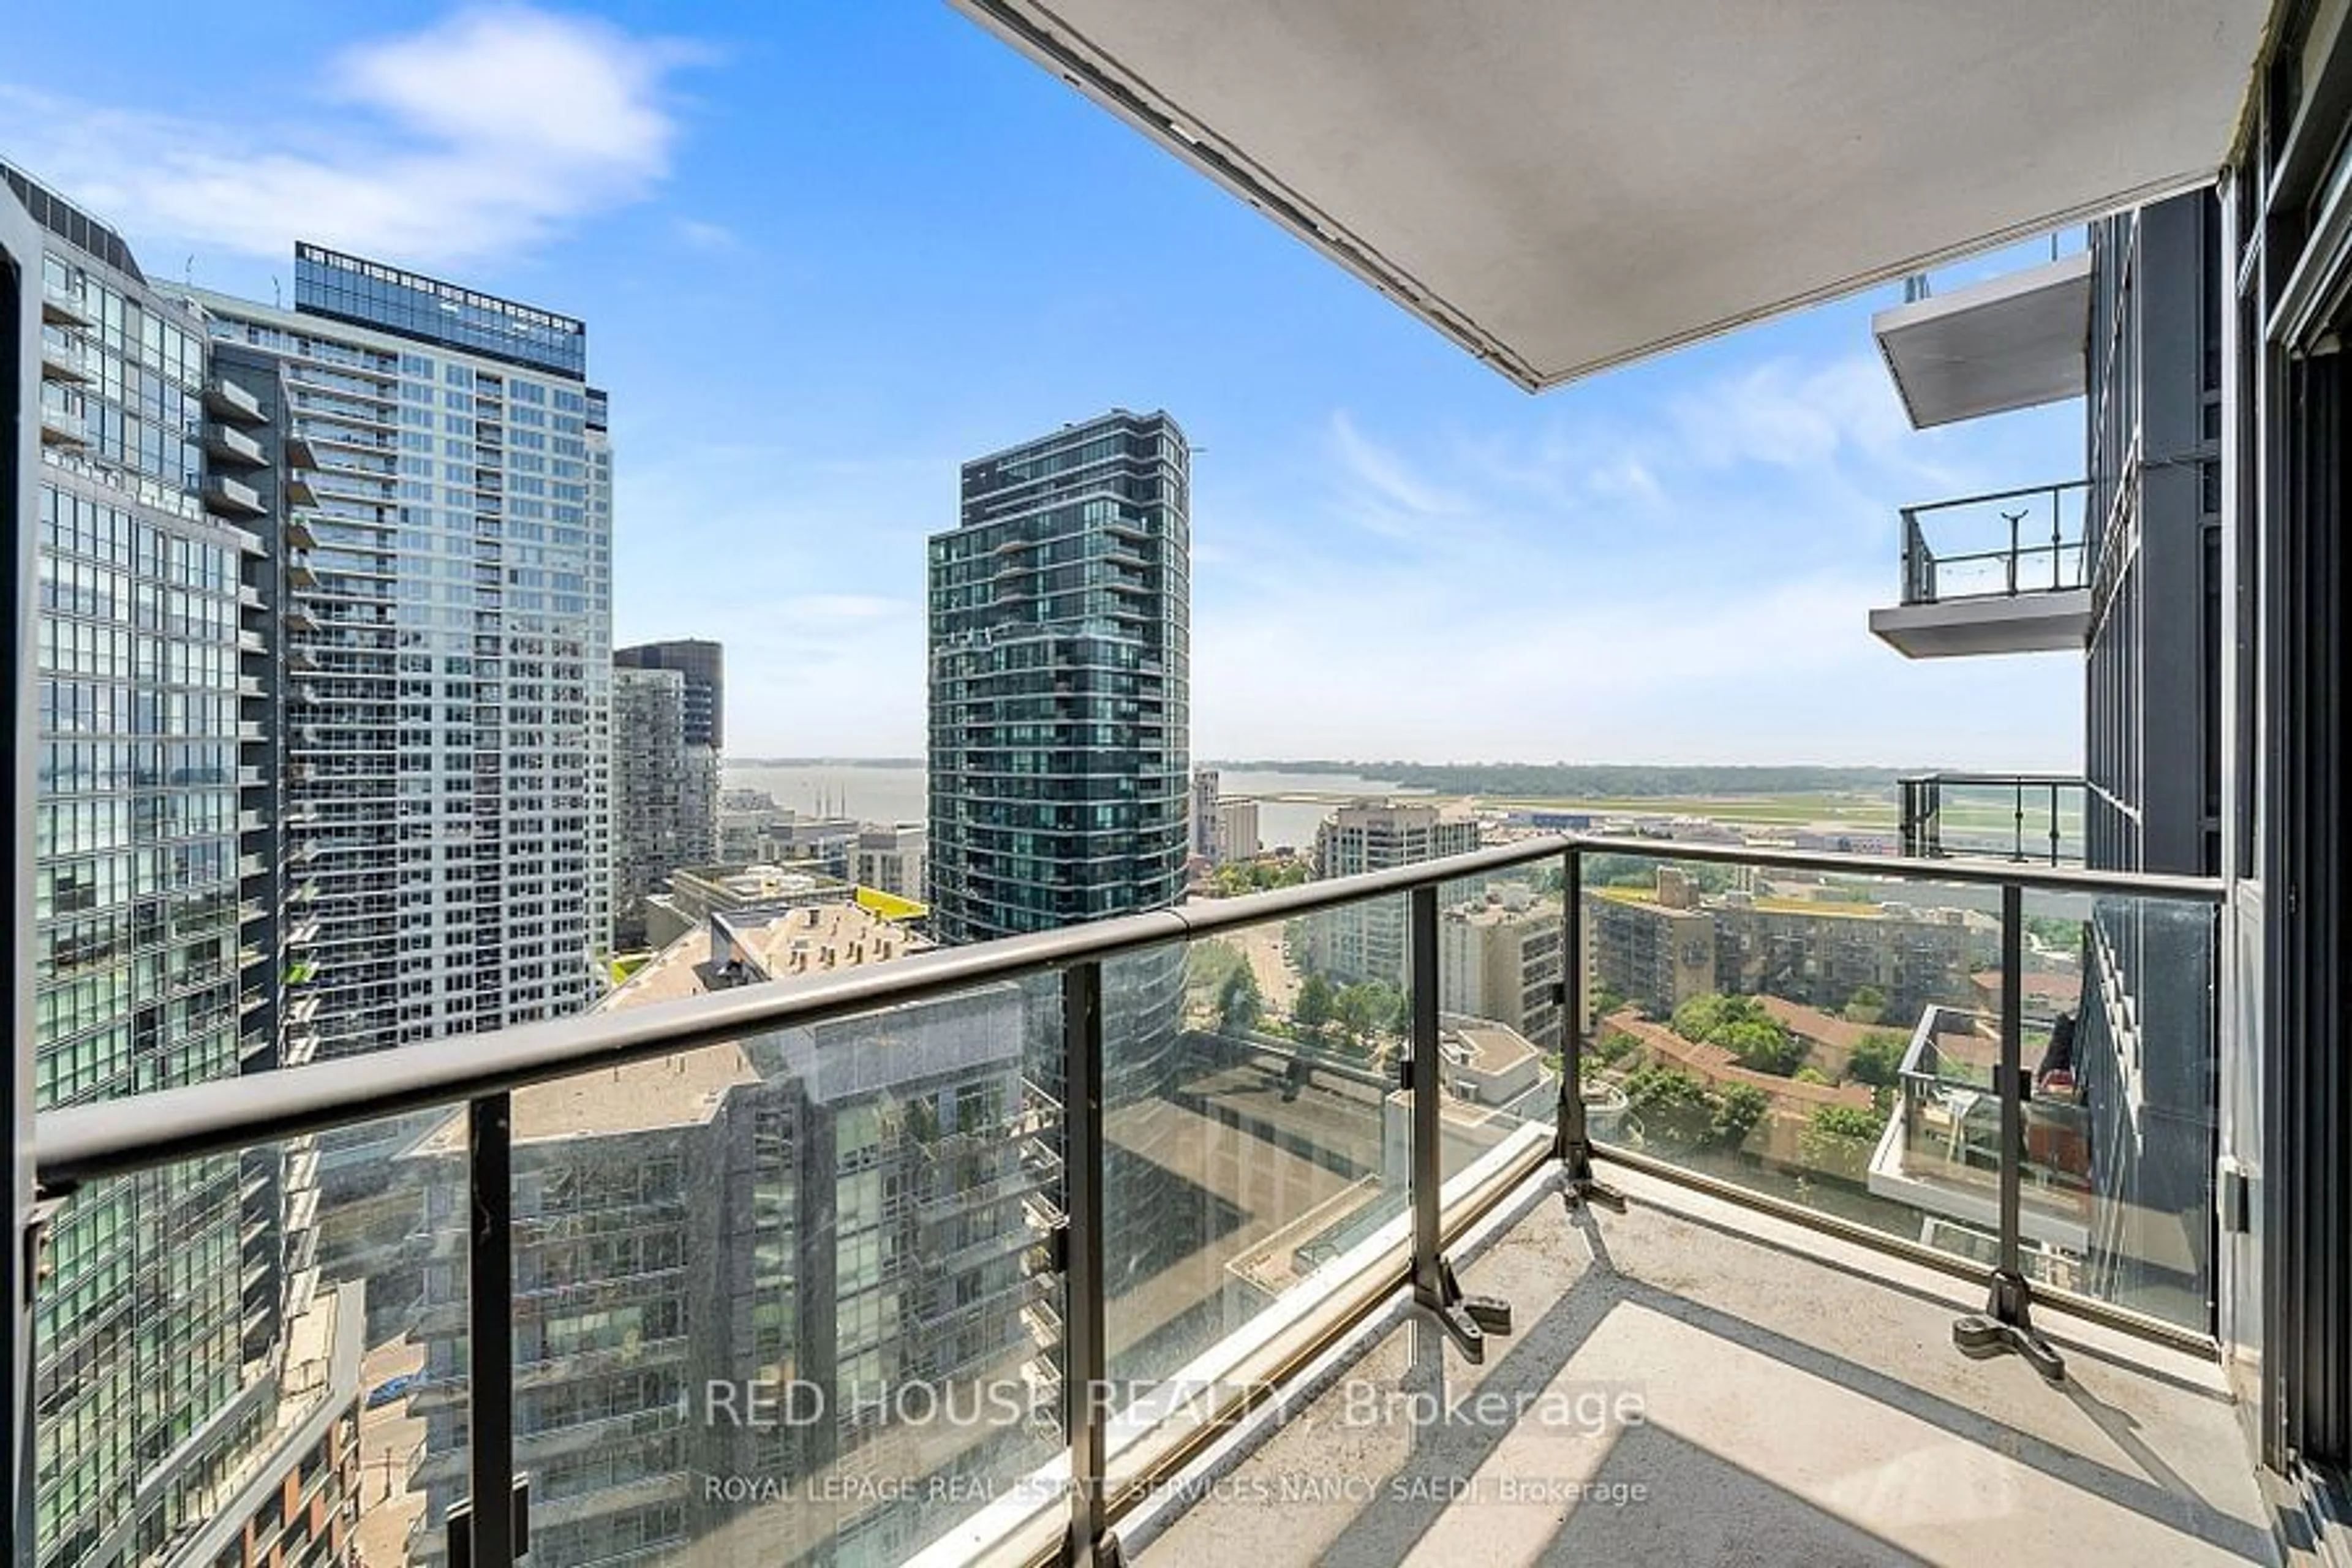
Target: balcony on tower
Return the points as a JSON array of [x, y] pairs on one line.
[[2003, 572], [2008, 342]]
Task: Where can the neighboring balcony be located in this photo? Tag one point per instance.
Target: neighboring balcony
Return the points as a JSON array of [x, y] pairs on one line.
[[2004, 573], [231, 445], [1147, 1161], [60, 427], [2010, 342], [2023, 817], [1940, 1152], [65, 359], [232, 497], [226, 400]]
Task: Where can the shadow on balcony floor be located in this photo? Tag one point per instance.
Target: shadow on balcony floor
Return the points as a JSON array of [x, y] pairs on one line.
[[1697, 1383]]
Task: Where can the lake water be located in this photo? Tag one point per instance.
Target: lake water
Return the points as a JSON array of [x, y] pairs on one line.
[[896, 793]]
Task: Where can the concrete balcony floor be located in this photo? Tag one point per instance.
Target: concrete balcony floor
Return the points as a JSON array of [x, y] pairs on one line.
[[1800, 1401]]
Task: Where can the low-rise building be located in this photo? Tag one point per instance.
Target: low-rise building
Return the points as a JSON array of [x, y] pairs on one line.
[[892, 859]]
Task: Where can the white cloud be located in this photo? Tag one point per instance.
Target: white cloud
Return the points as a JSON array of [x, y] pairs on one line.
[[482, 135]]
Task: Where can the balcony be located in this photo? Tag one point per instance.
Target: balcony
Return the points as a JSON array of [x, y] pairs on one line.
[[2008, 342], [226, 400], [232, 497], [2021, 817], [66, 359], [2003, 572], [65, 307], [61, 428], [231, 445], [1223, 1199]]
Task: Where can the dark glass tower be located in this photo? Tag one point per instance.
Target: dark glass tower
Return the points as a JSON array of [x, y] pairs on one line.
[[1059, 681]]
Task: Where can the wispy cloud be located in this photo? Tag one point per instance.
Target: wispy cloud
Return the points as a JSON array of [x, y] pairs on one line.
[[1384, 477], [480, 136]]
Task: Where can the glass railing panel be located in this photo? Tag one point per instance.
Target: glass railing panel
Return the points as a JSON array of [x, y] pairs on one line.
[[1256, 1150], [2036, 821], [1825, 1041], [1502, 939], [2020, 542], [2120, 1123], [254, 1356], [790, 1299]]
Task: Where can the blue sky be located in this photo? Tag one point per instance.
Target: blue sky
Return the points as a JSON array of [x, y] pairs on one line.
[[825, 252]]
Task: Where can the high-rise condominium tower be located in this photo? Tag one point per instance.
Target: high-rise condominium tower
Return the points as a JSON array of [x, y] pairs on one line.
[[448, 721], [1059, 681], [153, 512], [668, 713]]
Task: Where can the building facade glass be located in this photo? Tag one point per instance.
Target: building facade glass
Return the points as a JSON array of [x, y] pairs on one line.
[[1060, 685], [159, 950]]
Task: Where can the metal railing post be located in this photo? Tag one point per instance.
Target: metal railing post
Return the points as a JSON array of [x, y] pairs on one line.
[[2018, 852], [1572, 1140], [1467, 1319], [2007, 1322], [2057, 537], [1428, 1169], [487, 1530], [1086, 1377]]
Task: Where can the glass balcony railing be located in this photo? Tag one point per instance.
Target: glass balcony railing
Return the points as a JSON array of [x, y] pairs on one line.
[[2025, 818], [970, 1251], [2003, 544]]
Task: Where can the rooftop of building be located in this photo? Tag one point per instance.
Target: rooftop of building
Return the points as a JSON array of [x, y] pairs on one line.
[[1488, 1048]]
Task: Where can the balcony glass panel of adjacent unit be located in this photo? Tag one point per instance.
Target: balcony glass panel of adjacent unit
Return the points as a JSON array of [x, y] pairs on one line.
[[1254, 1147], [258, 1355], [1824, 1039], [787, 1299], [2120, 1115]]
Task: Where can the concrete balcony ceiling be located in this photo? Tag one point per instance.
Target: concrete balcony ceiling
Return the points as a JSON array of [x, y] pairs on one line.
[[1562, 185]]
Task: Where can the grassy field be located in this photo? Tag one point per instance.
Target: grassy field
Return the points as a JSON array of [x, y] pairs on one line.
[[1775, 810], [1988, 817]]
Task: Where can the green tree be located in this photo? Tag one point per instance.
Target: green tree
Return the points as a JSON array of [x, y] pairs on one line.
[[1866, 1006], [1737, 1109], [1358, 1009], [1877, 1058], [1312, 1008], [1845, 1121], [1240, 1003], [1837, 1140]]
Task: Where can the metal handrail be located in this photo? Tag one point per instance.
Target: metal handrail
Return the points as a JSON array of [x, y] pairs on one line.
[[81, 1144], [1921, 562]]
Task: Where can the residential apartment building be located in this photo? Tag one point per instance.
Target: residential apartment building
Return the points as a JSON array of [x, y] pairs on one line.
[[664, 792], [1368, 942], [701, 668], [1655, 954], [188, 1365], [891, 859], [448, 741], [1233, 832], [1060, 689], [822, 1214], [1204, 812], [1499, 959]]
